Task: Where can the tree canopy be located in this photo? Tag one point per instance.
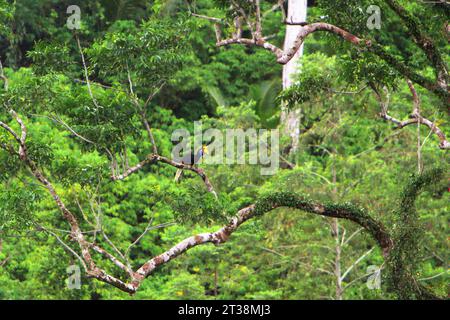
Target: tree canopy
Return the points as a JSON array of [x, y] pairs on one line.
[[87, 117]]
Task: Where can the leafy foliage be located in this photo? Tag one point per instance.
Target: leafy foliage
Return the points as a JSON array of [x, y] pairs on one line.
[[346, 154]]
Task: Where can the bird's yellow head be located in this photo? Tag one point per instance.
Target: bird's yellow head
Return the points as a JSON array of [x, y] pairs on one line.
[[205, 149]]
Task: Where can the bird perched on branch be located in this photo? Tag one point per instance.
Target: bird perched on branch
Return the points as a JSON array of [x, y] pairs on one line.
[[191, 159]]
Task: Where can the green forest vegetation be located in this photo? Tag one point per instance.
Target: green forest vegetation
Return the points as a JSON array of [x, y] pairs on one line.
[[359, 208]]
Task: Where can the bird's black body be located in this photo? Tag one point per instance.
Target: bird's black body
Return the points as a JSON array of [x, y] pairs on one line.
[[190, 159]]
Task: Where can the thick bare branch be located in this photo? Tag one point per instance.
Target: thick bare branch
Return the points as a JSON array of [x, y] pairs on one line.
[[261, 207], [415, 117], [438, 87], [101, 275], [133, 169], [444, 143], [37, 173], [285, 56], [309, 29], [11, 131], [110, 257], [154, 158]]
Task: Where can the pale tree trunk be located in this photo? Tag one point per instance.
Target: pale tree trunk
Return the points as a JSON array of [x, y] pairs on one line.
[[290, 120], [335, 232]]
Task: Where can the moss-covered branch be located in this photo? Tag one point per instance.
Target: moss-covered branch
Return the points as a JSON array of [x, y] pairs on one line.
[[346, 211], [403, 261], [423, 41], [264, 205]]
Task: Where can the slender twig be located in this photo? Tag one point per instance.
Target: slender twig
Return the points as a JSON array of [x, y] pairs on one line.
[[325, 271], [216, 20], [104, 86], [2, 263], [149, 131], [273, 8], [129, 80], [113, 259], [354, 264], [433, 277], [147, 229], [66, 246], [86, 73], [357, 279], [351, 236], [58, 120]]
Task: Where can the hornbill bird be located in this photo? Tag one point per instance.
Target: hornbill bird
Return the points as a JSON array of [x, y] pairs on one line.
[[191, 160]]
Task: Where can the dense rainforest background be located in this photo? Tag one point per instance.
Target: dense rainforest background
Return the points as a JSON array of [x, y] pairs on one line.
[[98, 99]]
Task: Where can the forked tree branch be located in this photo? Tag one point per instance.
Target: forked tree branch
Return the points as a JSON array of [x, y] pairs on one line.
[[155, 158], [75, 231], [439, 86], [415, 117], [265, 205]]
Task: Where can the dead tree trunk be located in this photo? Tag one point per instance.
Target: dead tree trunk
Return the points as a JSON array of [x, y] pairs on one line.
[[290, 119]]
